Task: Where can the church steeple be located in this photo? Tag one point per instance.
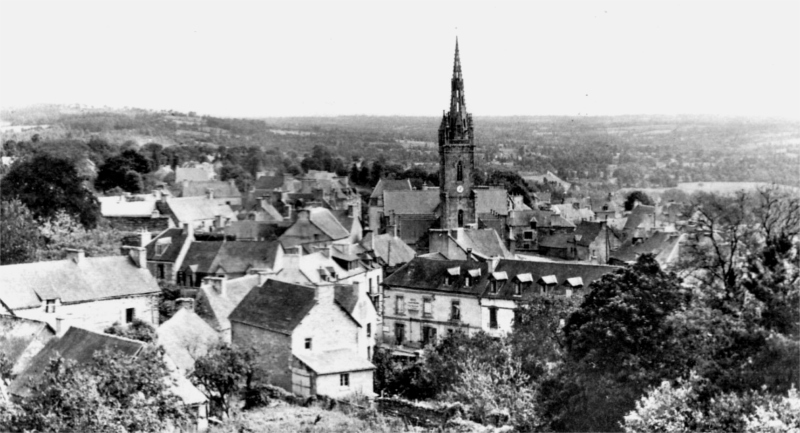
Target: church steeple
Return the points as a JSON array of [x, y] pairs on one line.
[[456, 156]]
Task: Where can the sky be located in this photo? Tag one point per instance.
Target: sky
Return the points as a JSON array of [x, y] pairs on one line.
[[304, 58]]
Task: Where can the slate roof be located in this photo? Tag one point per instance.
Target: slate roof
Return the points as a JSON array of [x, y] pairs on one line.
[[640, 215], [28, 285], [557, 240], [344, 218], [588, 231], [390, 185], [411, 202], [399, 252], [190, 209], [232, 257], [522, 218], [21, 339], [346, 296], [221, 189], [190, 173], [428, 274], [177, 238], [77, 344], [269, 182], [334, 361], [537, 270], [572, 214], [486, 243], [185, 337], [661, 244], [201, 256], [320, 222], [275, 306], [222, 306], [493, 199], [256, 229]]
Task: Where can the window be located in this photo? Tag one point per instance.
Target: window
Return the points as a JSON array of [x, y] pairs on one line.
[[181, 278], [494, 286], [517, 288], [50, 306], [161, 248], [399, 305], [399, 333], [369, 353], [370, 285], [449, 280], [459, 172], [130, 314], [527, 235], [455, 310], [308, 343], [460, 218], [160, 275], [344, 379], [466, 281], [493, 317], [427, 307], [369, 329], [428, 335]]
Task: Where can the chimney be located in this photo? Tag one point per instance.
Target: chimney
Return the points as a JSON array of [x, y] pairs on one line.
[[355, 286], [145, 238], [263, 275], [62, 325], [351, 211], [77, 256], [187, 303], [493, 262], [324, 293], [469, 254], [139, 255], [209, 193], [218, 222], [188, 229], [394, 228], [157, 194], [303, 214], [217, 284]]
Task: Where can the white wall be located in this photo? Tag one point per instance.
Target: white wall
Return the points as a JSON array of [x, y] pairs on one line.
[[505, 316], [360, 381], [97, 315]]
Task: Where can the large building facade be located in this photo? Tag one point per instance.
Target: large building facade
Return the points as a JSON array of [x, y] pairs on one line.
[[456, 157]]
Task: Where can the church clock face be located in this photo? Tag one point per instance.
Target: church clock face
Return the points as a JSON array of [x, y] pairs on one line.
[[460, 189]]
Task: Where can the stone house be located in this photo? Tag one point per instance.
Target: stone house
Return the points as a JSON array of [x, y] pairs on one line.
[[90, 292], [315, 227], [212, 189], [186, 337], [309, 342], [376, 201], [218, 297]]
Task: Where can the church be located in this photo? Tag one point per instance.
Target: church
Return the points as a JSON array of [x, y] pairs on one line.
[[460, 219]]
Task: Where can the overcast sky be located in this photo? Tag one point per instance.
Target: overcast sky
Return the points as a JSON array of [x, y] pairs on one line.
[[395, 58]]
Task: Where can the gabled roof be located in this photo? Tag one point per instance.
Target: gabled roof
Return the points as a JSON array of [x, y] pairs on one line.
[[334, 361], [185, 337], [486, 243], [588, 232], [275, 306], [640, 215], [427, 274], [220, 189], [410, 202], [346, 295], [78, 345], [344, 218], [327, 222], [390, 185], [661, 244], [493, 199], [201, 256], [574, 215], [176, 240], [320, 226], [21, 339], [222, 306], [28, 285], [392, 250], [557, 240], [191, 209]]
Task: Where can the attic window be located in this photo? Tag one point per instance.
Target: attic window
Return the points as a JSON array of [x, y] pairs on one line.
[[528, 234], [162, 245], [517, 288], [308, 344], [50, 306], [575, 282]]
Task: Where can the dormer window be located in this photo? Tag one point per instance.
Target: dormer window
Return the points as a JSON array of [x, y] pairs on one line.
[[162, 245], [517, 288], [467, 281], [496, 280], [50, 306], [452, 275]]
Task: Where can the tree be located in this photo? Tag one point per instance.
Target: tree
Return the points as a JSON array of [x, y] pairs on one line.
[[639, 196], [225, 370], [114, 392], [62, 232], [19, 235], [121, 170], [46, 185]]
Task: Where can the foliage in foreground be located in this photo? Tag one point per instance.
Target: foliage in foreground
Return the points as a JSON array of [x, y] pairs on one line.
[[115, 393], [225, 371], [136, 330]]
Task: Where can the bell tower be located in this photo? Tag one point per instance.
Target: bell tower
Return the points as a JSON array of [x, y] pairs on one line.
[[456, 157]]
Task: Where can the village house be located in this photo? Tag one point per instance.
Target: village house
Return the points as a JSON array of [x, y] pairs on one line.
[[589, 242], [413, 213], [665, 246], [80, 345], [212, 189], [90, 292], [202, 213], [458, 243], [377, 200], [134, 212], [315, 227], [428, 298], [218, 297], [309, 342], [186, 337]]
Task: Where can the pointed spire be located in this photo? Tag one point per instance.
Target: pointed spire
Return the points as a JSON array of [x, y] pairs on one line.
[[457, 63]]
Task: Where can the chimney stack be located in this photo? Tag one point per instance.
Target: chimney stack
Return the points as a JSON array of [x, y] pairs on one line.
[[62, 325], [469, 254], [218, 222], [217, 284], [77, 256], [187, 303], [325, 293], [144, 238], [209, 193], [493, 262], [188, 229]]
